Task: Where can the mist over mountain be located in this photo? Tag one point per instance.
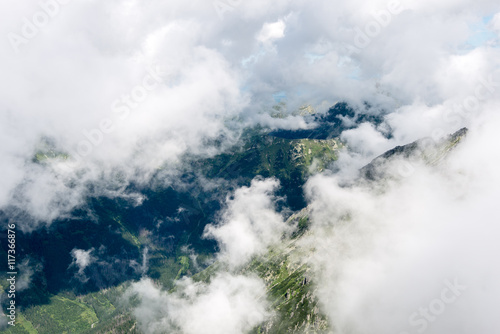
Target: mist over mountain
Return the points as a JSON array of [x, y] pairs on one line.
[[249, 167]]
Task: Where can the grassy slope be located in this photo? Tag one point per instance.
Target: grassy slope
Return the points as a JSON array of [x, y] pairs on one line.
[[99, 312], [62, 315]]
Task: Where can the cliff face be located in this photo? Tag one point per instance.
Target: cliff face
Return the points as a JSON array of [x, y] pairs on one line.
[[427, 150]]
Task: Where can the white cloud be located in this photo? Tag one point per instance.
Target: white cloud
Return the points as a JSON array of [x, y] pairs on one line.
[[227, 305], [91, 78], [383, 253], [249, 224], [366, 139], [27, 271], [272, 31], [495, 22], [82, 259]]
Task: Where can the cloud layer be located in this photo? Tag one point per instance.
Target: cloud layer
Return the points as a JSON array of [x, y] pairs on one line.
[[384, 254], [249, 224], [128, 86], [109, 92]]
